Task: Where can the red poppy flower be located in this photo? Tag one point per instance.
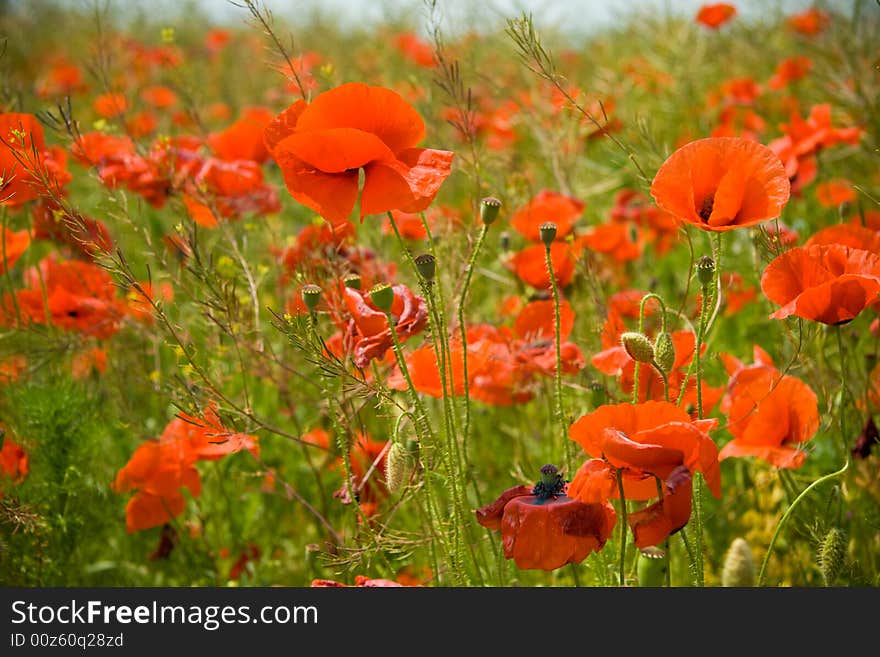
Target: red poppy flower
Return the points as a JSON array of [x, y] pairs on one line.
[[790, 70], [810, 21], [243, 140], [408, 223], [622, 242], [854, 236], [545, 529], [110, 105], [546, 206], [816, 131], [722, 183], [716, 15], [63, 78], [11, 368], [415, 50], [826, 283], [83, 236], [368, 327], [321, 146], [13, 460], [359, 581], [769, 415], [12, 245], [835, 192], [23, 150], [159, 96], [206, 437], [530, 264], [648, 442]]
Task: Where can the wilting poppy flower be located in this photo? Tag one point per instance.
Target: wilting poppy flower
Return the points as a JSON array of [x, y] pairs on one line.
[[321, 146], [826, 283], [12, 245], [835, 192], [546, 206], [810, 21], [716, 15], [542, 528], [722, 183], [769, 414], [647, 442]]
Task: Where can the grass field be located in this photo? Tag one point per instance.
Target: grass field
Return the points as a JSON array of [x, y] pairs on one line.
[[286, 304]]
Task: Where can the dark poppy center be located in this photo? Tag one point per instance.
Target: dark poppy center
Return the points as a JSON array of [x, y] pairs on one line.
[[706, 207], [551, 485]]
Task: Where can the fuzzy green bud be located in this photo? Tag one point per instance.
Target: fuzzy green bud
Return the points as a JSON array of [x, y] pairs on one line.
[[311, 296], [739, 565], [427, 266], [652, 567], [353, 281], [637, 346], [664, 352], [382, 297], [705, 270], [489, 208], [397, 467], [832, 554], [548, 233]]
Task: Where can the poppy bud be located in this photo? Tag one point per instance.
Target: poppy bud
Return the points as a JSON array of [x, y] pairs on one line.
[[548, 233], [597, 394], [705, 270], [396, 467], [739, 565], [353, 281], [489, 208], [832, 553], [311, 296], [382, 296], [664, 352], [637, 346], [427, 266], [652, 567]]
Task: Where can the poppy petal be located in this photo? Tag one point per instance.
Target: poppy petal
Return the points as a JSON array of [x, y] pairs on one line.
[[408, 183]]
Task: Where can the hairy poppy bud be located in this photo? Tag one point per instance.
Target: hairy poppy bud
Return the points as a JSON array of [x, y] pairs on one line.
[[664, 352], [832, 553], [353, 281], [382, 296], [427, 266], [653, 564], [705, 270], [548, 233], [489, 208], [739, 565], [311, 296], [637, 346], [396, 467]]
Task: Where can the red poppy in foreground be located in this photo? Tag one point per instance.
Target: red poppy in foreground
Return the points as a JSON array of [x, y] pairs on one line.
[[542, 528], [647, 442], [826, 283], [320, 147], [716, 15], [769, 414], [722, 183]]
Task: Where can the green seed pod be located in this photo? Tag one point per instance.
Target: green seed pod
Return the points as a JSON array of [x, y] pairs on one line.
[[652, 567], [548, 233], [353, 281], [397, 467], [311, 296], [489, 208], [382, 296], [705, 270], [664, 352], [427, 266], [832, 554], [739, 565], [637, 346], [598, 394]]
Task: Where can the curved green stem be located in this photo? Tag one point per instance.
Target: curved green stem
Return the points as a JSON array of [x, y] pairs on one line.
[[560, 411], [623, 526]]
